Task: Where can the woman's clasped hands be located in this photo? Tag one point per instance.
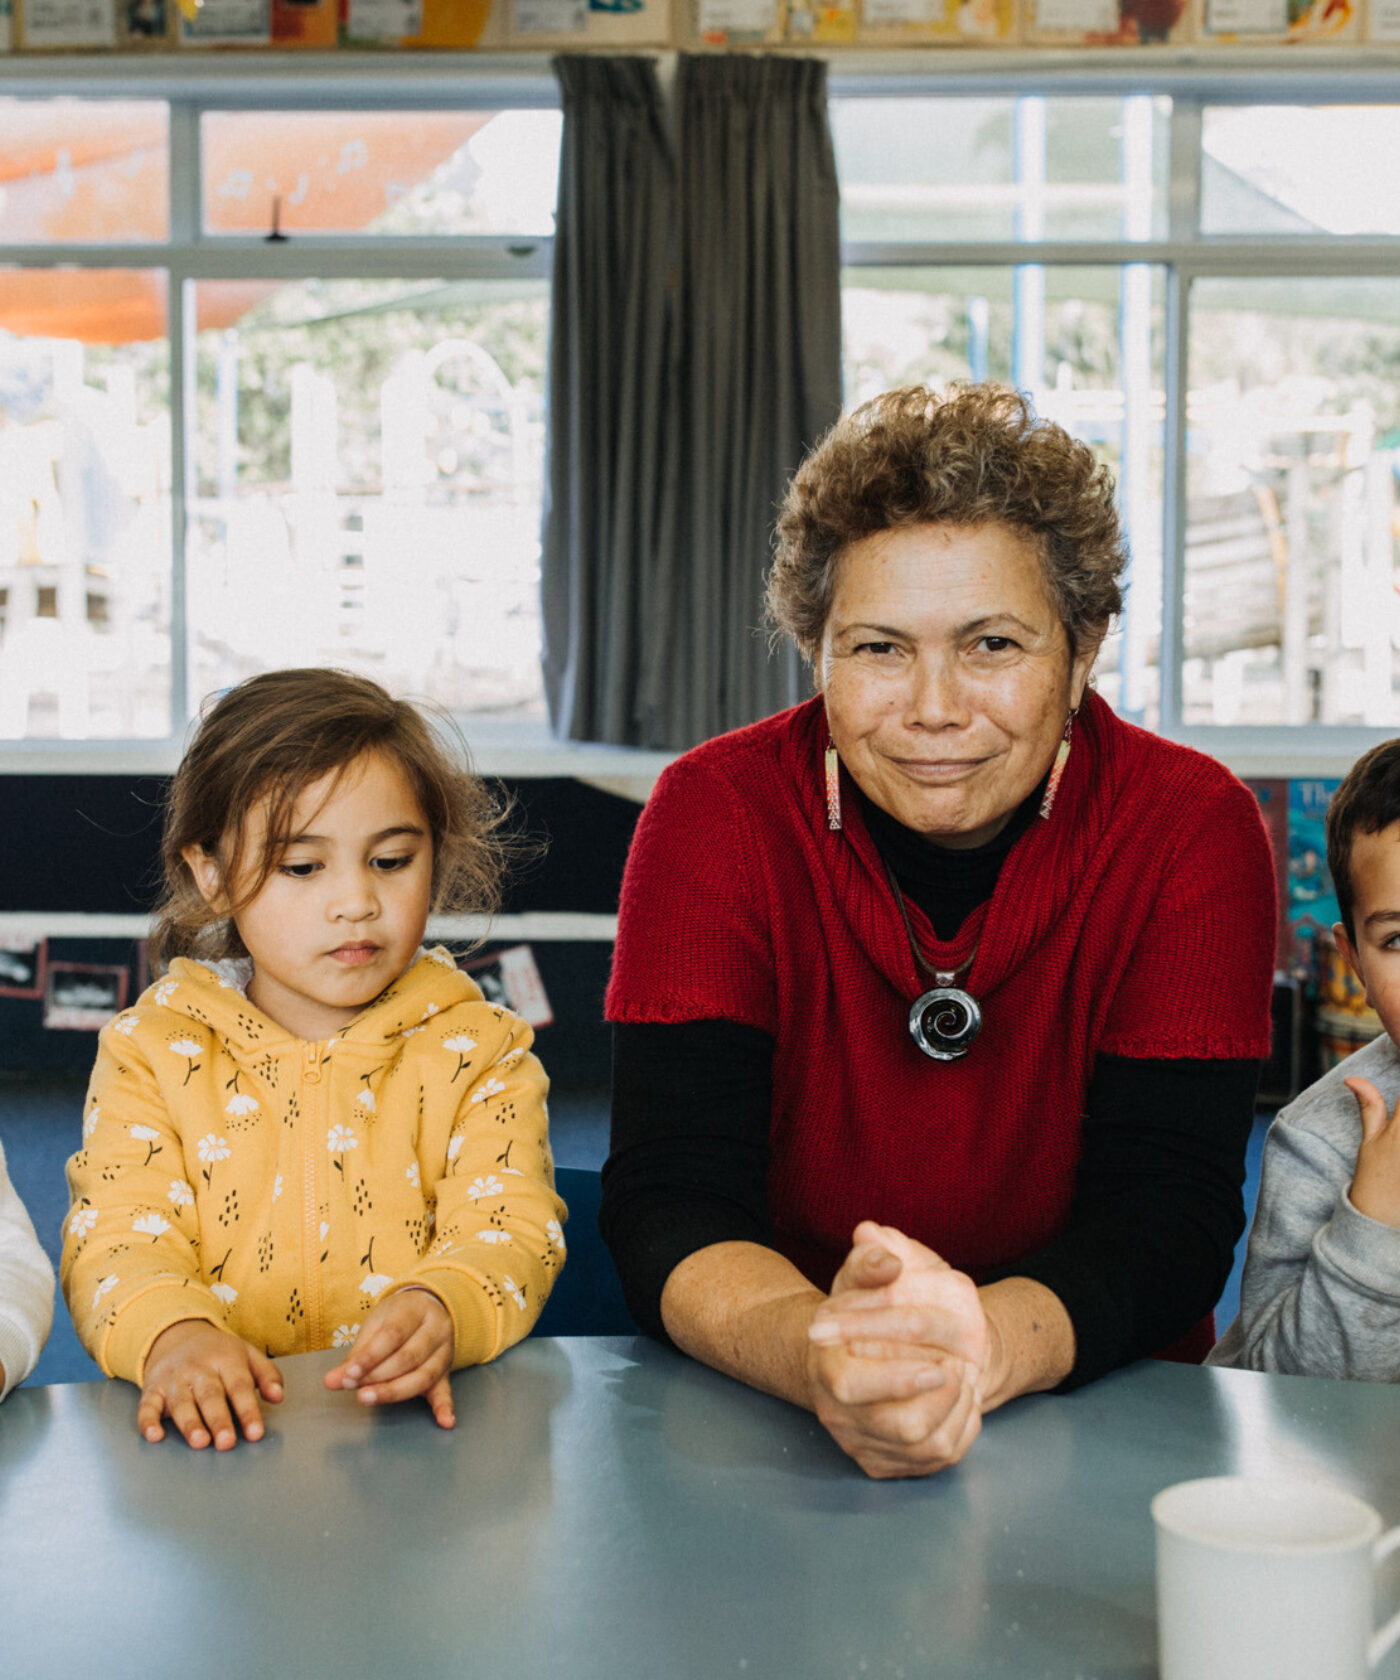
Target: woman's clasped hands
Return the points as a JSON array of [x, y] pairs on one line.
[[897, 1356]]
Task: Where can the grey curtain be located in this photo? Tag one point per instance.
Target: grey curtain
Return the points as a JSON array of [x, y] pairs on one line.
[[609, 467], [759, 320], [676, 420]]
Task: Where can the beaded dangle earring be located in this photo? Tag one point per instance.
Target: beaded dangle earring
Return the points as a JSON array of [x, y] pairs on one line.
[[833, 788], [1058, 769]]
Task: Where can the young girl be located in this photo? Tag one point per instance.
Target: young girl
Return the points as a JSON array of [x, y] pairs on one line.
[[311, 1133]]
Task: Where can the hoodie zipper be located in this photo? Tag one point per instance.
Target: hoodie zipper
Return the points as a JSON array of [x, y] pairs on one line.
[[311, 1201]]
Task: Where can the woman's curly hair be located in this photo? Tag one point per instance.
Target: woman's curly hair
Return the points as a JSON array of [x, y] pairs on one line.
[[975, 455]]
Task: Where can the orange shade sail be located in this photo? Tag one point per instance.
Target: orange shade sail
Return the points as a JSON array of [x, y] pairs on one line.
[[332, 172], [111, 305], [84, 172]]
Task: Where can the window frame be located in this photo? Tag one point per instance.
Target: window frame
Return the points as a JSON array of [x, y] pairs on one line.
[[189, 255], [1184, 256], [400, 82]]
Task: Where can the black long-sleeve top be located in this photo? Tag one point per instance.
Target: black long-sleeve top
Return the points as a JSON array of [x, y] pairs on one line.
[[1157, 1207]]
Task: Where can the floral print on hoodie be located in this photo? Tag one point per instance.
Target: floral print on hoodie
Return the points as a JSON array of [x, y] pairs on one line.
[[278, 1188]]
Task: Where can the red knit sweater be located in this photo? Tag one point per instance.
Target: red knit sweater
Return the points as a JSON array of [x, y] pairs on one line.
[[1137, 920]]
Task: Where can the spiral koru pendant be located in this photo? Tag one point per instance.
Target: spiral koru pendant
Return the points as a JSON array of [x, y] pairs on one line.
[[944, 1022]]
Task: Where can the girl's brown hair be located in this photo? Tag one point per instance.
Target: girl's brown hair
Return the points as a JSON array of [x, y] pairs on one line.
[[266, 742]]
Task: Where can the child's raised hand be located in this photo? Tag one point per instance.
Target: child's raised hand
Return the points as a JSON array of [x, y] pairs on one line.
[[194, 1373], [1375, 1188], [404, 1348]]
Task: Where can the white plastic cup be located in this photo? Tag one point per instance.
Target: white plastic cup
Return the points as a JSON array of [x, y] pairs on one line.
[[1268, 1580]]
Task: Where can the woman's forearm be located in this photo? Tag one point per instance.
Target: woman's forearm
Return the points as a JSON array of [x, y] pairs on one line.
[[746, 1310], [1030, 1340]]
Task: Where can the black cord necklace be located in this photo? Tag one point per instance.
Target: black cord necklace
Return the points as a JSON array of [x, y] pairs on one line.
[[944, 1020]]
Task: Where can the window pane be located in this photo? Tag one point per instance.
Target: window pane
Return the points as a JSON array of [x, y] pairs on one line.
[[1087, 344], [84, 505], [1290, 169], [1294, 442], [83, 171], [368, 460], [950, 170], [387, 172]]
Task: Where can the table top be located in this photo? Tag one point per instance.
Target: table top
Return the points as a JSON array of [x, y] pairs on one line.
[[606, 1509]]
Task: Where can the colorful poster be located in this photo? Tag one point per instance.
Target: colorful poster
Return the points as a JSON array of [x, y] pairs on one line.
[[1312, 899], [59, 24], [451, 23], [143, 25], [305, 23], [834, 24], [1272, 795], [1282, 21], [1103, 23]]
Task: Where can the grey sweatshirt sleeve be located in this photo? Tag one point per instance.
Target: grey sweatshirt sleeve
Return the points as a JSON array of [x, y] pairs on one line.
[[26, 1288], [1321, 1289]]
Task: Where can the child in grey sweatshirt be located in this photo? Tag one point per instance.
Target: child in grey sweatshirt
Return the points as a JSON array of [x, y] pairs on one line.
[[1321, 1290], [26, 1289]]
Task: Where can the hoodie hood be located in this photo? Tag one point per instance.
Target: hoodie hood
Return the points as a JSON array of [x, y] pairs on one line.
[[214, 994]]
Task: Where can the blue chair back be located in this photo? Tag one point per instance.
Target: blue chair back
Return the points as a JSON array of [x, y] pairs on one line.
[[587, 1297]]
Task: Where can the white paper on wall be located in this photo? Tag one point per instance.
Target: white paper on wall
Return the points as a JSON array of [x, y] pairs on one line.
[[1082, 17], [905, 11], [549, 17], [384, 20], [70, 23], [1247, 17], [1385, 20], [738, 17], [248, 22]]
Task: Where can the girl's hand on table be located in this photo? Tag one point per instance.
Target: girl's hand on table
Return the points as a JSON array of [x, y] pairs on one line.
[[404, 1348], [194, 1373], [896, 1356]]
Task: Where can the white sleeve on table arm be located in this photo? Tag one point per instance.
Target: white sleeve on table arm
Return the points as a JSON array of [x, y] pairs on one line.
[[26, 1288]]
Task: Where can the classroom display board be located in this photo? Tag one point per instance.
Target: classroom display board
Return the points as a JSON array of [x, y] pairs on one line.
[[1046, 23], [106, 26], [65, 26]]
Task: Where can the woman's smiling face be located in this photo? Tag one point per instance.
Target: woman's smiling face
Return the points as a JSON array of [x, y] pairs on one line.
[[947, 675]]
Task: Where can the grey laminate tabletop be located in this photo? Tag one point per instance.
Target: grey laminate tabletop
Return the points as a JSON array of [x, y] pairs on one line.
[[606, 1508]]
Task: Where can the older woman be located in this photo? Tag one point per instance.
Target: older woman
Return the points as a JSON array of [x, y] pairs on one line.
[[938, 999]]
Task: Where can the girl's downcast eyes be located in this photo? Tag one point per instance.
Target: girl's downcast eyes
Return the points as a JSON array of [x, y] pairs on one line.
[[382, 865]]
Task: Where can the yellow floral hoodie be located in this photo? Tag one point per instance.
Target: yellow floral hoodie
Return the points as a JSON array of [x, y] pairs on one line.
[[279, 1188]]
